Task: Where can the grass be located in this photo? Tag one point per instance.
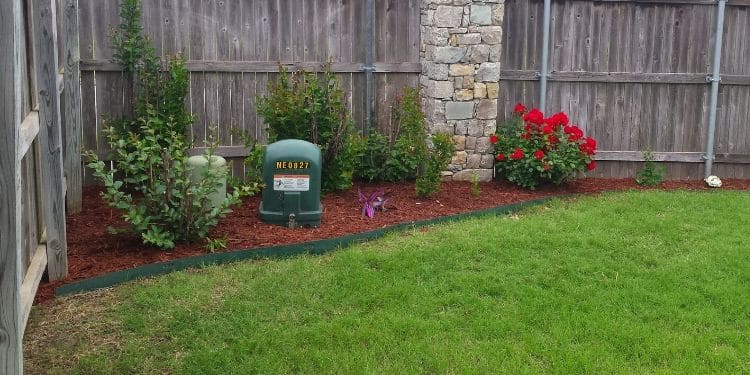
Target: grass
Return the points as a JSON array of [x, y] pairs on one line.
[[636, 282]]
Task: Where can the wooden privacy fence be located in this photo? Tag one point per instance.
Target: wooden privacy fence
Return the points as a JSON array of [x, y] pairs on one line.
[[636, 75], [35, 79], [234, 48]]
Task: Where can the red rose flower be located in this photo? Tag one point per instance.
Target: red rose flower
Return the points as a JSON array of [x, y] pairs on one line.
[[574, 133], [539, 154], [517, 154], [526, 135], [557, 120], [520, 109], [535, 117], [591, 165], [493, 139], [500, 157], [588, 147], [548, 129], [552, 139]]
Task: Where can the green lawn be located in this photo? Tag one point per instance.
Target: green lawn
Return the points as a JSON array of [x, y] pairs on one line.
[[636, 282]]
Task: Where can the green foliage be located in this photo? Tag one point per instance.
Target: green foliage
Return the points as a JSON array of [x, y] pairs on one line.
[[400, 155], [149, 180], [151, 86], [651, 174], [439, 155], [312, 107], [150, 183], [475, 188], [214, 244]]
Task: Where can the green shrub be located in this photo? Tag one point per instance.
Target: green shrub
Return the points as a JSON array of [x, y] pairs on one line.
[[531, 149], [651, 174], [438, 157], [149, 180], [399, 155], [312, 107]]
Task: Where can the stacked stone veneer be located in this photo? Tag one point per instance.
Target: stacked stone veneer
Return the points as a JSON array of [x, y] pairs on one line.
[[461, 46]]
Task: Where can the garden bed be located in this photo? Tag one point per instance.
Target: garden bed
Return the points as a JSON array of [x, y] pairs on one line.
[[93, 251]]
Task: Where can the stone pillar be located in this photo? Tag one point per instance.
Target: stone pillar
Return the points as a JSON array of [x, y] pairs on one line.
[[460, 54]]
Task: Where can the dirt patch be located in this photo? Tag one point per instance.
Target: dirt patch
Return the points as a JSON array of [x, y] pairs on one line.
[[93, 251]]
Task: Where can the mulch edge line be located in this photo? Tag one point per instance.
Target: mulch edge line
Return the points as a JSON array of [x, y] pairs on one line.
[[318, 247]]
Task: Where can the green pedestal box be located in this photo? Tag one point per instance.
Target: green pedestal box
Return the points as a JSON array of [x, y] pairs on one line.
[[291, 173]]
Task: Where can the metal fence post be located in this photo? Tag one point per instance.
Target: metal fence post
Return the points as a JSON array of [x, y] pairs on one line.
[[715, 79]]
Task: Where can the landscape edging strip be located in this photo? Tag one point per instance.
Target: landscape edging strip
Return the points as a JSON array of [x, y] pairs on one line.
[[318, 247]]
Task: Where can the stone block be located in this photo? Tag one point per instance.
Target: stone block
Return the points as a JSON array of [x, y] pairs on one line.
[[491, 34], [480, 90], [488, 161], [487, 109], [493, 90], [435, 71], [464, 95], [471, 143], [475, 128], [488, 72], [440, 89], [461, 69], [449, 55], [481, 14], [459, 158], [483, 145], [477, 54], [459, 110], [448, 16], [469, 38], [485, 175], [460, 142], [473, 161]]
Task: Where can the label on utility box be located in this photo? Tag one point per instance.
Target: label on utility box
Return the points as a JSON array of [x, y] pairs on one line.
[[291, 182]]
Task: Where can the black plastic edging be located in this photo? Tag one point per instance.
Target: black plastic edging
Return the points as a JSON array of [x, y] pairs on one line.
[[314, 247]]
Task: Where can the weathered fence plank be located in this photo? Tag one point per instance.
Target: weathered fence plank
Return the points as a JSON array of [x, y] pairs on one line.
[[72, 111], [50, 142], [11, 329]]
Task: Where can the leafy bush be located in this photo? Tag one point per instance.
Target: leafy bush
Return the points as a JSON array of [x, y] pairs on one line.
[[149, 178], [153, 186], [651, 174], [440, 154], [312, 107], [399, 155], [531, 149]]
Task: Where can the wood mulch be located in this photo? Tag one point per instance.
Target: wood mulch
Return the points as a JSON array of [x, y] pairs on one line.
[[93, 251]]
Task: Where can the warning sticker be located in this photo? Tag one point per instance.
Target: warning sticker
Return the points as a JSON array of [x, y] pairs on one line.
[[291, 182]]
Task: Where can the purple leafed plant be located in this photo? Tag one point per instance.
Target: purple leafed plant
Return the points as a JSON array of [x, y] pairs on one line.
[[373, 202]]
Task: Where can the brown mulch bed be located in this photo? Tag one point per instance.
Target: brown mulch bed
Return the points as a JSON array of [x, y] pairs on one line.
[[93, 251]]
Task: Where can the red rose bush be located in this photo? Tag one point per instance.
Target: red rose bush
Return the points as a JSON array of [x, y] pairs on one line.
[[531, 149]]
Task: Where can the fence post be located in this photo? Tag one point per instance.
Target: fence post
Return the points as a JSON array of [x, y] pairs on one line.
[[715, 79], [368, 68], [544, 73], [72, 111], [50, 142], [11, 331]]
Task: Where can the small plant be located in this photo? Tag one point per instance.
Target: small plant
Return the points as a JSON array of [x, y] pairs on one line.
[[475, 189], [376, 201], [399, 155], [440, 154], [531, 149], [651, 174], [214, 244], [149, 179], [312, 107]]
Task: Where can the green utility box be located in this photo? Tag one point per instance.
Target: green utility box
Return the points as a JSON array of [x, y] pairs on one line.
[[199, 167], [291, 173]]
